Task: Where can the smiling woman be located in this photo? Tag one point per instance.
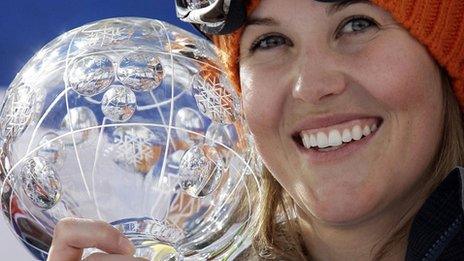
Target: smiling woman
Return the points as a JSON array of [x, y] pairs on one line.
[[352, 109]]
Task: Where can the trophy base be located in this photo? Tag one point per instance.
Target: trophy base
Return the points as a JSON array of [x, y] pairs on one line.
[[145, 234], [153, 251], [150, 238], [156, 252]]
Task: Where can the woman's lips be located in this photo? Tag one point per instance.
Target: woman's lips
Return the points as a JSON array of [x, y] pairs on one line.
[[317, 123], [336, 135], [323, 152]]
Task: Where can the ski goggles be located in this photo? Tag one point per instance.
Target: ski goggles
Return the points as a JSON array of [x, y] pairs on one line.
[[216, 17]]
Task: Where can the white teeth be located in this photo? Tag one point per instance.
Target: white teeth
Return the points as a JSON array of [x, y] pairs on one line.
[[306, 141], [312, 140], [366, 130], [346, 137], [322, 140], [335, 139], [356, 132]]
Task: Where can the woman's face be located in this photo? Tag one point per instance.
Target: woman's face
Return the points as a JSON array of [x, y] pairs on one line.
[[345, 106]]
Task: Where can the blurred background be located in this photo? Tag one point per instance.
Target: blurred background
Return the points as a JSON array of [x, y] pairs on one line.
[[27, 25]]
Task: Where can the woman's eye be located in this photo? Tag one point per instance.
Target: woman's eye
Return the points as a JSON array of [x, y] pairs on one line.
[[354, 25], [269, 41]]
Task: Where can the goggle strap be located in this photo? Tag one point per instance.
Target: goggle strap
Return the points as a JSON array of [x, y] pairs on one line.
[[235, 18]]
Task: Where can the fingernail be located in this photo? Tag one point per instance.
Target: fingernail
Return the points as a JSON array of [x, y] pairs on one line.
[[126, 245]]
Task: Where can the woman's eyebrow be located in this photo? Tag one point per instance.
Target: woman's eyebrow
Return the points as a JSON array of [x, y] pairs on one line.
[[331, 9], [340, 5], [261, 21]]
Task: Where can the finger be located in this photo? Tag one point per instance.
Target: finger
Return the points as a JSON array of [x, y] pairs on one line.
[[71, 235], [112, 257]]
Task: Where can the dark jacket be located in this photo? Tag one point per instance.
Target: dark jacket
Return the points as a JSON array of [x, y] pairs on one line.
[[437, 231]]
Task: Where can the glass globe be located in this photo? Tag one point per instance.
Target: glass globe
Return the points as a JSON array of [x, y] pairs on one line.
[[130, 121]]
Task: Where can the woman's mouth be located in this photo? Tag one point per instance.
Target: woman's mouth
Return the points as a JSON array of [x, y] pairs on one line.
[[337, 140]]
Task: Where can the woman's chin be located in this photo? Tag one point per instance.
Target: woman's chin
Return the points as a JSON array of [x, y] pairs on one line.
[[343, 210], [340, 218]]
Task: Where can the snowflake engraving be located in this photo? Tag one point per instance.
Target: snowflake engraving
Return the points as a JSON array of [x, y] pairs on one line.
[[17, 111], [136, 149], [214, 100], [110, 33]]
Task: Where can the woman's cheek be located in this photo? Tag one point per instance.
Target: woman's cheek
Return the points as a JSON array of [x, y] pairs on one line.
[[401, 76], [261, 102], [259, 118]]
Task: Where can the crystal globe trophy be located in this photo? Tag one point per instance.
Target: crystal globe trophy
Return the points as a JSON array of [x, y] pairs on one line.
[[133, 122]]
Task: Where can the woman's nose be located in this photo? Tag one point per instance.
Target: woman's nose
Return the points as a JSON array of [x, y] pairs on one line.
[[316, 83]]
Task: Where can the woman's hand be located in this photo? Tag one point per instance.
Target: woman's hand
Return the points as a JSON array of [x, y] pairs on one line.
[[72, 236]]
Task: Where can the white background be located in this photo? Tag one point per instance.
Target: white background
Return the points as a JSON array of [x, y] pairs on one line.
[[10, 247]]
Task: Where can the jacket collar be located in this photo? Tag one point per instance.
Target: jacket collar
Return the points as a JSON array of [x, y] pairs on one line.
[[439, 219]]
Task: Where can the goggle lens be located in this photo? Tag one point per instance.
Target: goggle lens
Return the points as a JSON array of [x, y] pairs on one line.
[[198, 4]]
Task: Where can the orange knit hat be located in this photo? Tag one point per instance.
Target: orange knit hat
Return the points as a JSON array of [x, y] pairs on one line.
[[437, 24]]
